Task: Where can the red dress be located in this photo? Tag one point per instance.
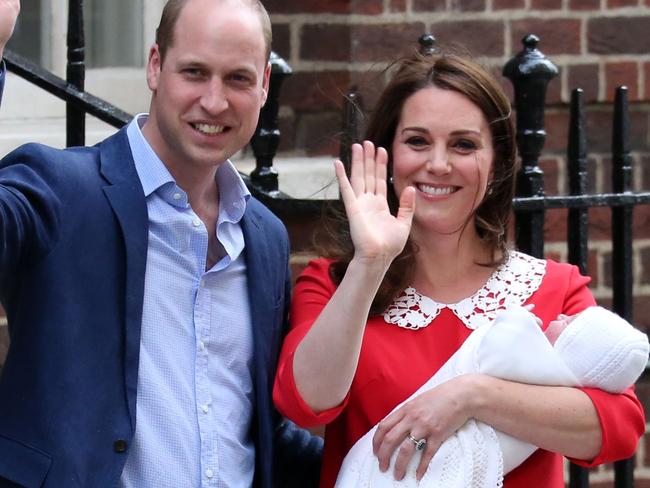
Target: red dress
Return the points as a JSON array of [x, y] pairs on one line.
[[395, 361]]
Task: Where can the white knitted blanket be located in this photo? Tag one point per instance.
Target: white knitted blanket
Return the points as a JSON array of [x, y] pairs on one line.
[[598, 349]]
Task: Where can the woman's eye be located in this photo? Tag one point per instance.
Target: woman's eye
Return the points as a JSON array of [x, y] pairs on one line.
[[465, 145], [416, 141]]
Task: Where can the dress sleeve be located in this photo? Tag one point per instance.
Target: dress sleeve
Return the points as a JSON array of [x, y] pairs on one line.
[[622, 421], [312, 291]]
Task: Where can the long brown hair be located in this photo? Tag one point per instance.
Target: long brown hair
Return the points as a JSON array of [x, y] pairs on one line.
[[449, 72]]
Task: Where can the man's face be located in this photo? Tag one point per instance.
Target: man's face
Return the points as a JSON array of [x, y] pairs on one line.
[[209, 90]]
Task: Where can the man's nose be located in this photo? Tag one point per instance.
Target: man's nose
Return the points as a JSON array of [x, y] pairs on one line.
[[213, 99]]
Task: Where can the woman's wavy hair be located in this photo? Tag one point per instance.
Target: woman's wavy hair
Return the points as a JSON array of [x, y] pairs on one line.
[[448, 71]]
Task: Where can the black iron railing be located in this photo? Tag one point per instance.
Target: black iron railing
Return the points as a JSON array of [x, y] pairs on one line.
[[530, 71]]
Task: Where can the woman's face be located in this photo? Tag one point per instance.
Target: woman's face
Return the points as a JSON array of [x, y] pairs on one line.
[[443, 148]]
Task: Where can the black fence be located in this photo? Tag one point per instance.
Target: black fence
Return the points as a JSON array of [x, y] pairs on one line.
[[530, 71]]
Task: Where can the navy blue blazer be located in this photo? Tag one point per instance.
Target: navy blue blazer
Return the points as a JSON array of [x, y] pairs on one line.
[[73, 247]]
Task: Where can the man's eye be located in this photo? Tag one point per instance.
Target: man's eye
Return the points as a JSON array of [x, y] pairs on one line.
[[239, 78], [192, 72]]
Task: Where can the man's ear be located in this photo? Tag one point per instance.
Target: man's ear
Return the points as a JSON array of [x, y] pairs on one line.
[[265, 83], [154, 65]]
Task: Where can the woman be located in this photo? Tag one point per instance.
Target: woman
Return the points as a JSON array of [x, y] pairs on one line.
[[426, 263]]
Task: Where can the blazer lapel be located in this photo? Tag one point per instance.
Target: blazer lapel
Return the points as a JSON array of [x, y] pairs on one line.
[[259, 294], [126, 197]]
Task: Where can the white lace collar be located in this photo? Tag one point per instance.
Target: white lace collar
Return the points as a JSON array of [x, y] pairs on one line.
[[510, 284]]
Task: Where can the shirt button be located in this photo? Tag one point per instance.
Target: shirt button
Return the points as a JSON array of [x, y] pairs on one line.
[[196, 222], [202, 345], [177, 196], [120, 445], [209, 473], [205, 408]]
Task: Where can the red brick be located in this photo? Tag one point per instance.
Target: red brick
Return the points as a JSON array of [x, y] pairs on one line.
[[282, 40], [300, 6], [557, 36], [546, 4], [557, 128], [599, 130], [646, 71], [645, 171], [645, 266], [468, 5], [394, 40], [584, 4], [584, 76], [618, 35], [397, 5], [618, 74], [315, 91], [317, 133], [640, 482], [555, 228], [554, 91], [641, 222], [480, 37], [429, 5], [367, 7], [592, 268], [325, 42], [622, 3], [508, 4], [367, 86]]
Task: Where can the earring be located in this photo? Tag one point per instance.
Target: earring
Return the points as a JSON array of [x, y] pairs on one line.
[[391, 180], [490, 189]]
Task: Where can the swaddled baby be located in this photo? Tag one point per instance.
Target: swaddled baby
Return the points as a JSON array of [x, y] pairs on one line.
[[595, 348]]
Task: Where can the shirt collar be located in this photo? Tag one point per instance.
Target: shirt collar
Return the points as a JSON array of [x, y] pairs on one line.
[[154, 175]]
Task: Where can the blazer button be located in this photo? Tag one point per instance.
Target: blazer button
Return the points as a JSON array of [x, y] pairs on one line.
[[120, 445]]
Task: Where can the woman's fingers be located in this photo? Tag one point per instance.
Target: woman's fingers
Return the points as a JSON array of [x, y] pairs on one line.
[[406, 205], [368, 173], [357, 179], [347, 193], [381, 172], [426, 458], [404, 455], [370, 164]]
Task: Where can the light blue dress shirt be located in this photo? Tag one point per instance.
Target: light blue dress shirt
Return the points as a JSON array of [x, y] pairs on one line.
[[195, 391]]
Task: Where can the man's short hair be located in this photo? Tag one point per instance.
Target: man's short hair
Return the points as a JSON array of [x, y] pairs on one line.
[[173, 8]]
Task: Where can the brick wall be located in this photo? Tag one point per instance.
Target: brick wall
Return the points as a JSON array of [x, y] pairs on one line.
[[333, 45]]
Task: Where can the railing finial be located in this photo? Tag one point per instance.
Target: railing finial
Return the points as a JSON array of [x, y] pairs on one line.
[[427, 44]]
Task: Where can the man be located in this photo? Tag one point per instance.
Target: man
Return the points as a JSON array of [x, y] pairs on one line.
[[145, 289]]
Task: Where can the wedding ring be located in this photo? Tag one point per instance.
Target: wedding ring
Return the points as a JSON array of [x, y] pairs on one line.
[[419, 444]]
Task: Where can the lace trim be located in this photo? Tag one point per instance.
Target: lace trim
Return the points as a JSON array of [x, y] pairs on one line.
[[512, 283]]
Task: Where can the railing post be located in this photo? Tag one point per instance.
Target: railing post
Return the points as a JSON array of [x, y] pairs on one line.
[[577, 228], [530, 71], [75, 73], [350, 127], [266, 138], [622, 240]]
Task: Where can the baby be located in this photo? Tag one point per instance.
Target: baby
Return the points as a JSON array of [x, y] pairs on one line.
[[595, 348]]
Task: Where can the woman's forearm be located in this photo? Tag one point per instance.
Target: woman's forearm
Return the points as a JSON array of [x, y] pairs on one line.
[[558, 419], [326, 359]]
